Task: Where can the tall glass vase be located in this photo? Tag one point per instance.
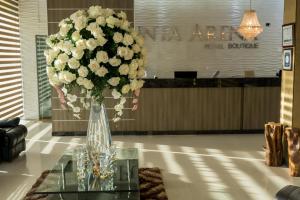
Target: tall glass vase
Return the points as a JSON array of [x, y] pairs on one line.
[[99, 140]]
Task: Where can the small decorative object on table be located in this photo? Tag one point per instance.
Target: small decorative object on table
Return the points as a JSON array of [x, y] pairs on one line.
[[96, 50], [293, 138], [273, 151]]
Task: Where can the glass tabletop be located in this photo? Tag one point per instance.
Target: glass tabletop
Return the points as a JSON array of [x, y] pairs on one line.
[[68, 176]]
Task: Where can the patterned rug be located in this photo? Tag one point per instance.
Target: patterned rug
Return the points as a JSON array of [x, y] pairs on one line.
[[151, 185]]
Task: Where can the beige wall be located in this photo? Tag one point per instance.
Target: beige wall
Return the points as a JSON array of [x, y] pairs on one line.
[[33, 21]]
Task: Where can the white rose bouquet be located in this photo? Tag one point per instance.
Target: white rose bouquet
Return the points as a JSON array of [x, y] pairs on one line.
[[96, 50]]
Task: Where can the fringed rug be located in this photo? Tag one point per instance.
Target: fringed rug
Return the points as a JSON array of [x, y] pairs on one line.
[[151, 185]]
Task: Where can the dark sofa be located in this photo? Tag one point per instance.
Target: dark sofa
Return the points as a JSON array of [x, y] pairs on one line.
[[12, 139]]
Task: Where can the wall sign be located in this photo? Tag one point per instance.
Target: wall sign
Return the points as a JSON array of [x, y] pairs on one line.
[[288, 35], [288, 59]]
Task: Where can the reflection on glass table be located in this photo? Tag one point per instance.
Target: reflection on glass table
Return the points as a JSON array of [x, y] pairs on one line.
[[72, 178]]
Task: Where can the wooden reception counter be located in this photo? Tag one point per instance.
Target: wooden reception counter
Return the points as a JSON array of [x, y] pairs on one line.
[[183, 106]]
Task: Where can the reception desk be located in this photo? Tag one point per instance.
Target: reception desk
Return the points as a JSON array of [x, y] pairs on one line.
[[183, 106]]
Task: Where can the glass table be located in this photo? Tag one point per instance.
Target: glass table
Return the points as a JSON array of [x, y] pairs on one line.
[[70, 179]]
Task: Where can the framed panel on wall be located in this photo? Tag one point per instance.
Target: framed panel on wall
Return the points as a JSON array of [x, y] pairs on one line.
[[288, 35], [288, 59]]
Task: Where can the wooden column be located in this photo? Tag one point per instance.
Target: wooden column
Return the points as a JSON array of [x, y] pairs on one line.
[[290, 91]]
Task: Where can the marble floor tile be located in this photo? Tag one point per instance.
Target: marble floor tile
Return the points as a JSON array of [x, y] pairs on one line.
[[216, 167]]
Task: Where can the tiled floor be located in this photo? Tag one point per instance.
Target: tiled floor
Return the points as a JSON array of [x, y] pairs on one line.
[[217, 167]]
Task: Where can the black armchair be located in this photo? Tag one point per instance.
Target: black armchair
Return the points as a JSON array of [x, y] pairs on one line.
[[12, 141]]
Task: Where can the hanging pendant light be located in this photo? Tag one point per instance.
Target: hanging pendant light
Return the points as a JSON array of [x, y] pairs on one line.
[[250, 27]]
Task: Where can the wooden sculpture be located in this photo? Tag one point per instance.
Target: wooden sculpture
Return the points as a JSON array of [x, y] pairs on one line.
[[293, 150], [285, 154], [273, 151]]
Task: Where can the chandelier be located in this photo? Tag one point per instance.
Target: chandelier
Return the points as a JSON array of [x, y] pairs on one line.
[[250, 27]]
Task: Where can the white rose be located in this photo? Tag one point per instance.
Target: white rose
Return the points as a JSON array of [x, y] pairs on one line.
[[101, 21], [51, 55], [141, 73], [102, 57], [80, 22], [95, 11], [88, 84], [133, 65], [59, 65], [62, 23], [49, 60], [114, 81], [111, 21], [59, 45], [129, 55], [134, 33], [141, 62], [77, 53], [124, 69], [54, 52], [50, 71], [92, 26], [50, 39], [109, 12], [77, 14], [134, 84], [63, 31], [122, 15], [76, 36], [101, 40], [67, 77], [67, 46], [54, 80], [80, 80], [63, 58], [94, 65], [73, 63], [116, 94], [81, 44], [136, 48], [118, 22], [122, 51], [125, 89], [83, 71], [132, 74], [125, 25], [91, 44], [102, 71], [114, 62], [118, 37], [97, 33], [127, 40]]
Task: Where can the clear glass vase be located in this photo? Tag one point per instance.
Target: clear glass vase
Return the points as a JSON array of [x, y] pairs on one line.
[[99, 140]]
